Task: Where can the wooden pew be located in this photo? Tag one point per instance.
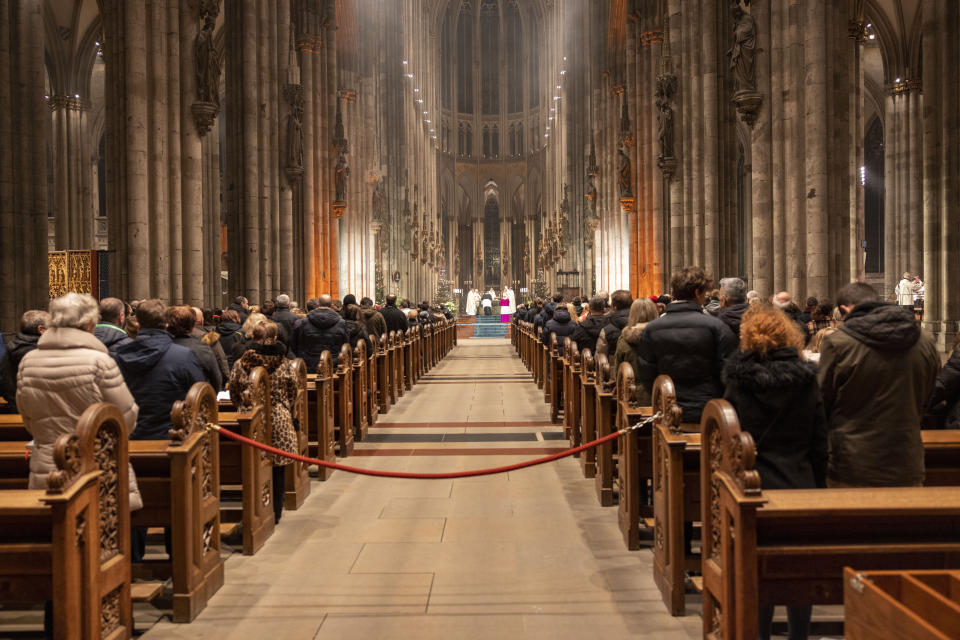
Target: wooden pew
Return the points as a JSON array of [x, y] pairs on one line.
[[383, 374], [70, 544], [321, 434], [606, 405], [790, 546], [402, 346], [555, 379], [298, 473], [343, 401], [571, 392], [373, 403], [361, 378], [392, 367], [918, 604], [247, 468], [634, 460], [588, 412], [410, 376], [676, 495]]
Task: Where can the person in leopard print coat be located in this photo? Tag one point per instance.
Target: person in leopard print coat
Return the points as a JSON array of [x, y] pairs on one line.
[[264, 351]]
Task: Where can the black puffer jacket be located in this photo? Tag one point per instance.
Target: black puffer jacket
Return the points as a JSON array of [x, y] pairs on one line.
[[616, 321], [586, 333], [285, 318], [324, 330], [230, 336], [691, 347], [561, 324], [877, 374], [545, 314], [778, 402], [19, 346], [732, 316], [396, 320], [158, 373]]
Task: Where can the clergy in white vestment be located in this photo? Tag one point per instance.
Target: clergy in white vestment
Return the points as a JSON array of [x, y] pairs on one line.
[[473, 298]]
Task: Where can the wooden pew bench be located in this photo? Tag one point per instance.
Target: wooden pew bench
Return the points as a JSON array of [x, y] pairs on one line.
[[918, 604], [343, 402], [70, 544], [571, 393], [174, 477], [588, 412], [248, 470], [606, 408], [786, 547], [320, 433], [555, 379], [361, 378], [634, 461], [297, 479]]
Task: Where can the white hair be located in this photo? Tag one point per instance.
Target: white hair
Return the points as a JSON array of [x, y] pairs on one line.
[[283, 300], [74, 311]]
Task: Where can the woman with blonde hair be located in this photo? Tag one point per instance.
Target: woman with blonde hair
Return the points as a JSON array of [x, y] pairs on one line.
[[642, 311], [778, 402], [812, 352], [245, 335]]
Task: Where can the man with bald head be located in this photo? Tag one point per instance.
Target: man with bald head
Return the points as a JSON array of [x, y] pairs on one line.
[[322, 330]]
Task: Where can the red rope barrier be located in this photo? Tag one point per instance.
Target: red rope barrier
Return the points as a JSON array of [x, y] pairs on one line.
[[419, 476]]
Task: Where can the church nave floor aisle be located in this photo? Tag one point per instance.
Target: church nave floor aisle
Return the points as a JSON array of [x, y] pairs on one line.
[[528, 554]]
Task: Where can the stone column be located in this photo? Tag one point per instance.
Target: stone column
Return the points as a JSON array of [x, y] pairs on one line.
[[71, 175], [24, 127]]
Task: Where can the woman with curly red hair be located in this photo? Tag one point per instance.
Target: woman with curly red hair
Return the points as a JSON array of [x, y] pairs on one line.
[[778, 402]]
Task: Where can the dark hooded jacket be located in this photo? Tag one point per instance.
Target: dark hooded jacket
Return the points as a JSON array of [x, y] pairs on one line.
[[626, 351], [374, 321], [778, 402], [286, 319], [111, 336], [691, 347], [19, 346], [585, 334], [158, 373], [877, 374], [243, 313], [616, 321], [732, 316], [324, 330], [394, 318], [230, 335], [205, 359], [546, 313], [561, 324]]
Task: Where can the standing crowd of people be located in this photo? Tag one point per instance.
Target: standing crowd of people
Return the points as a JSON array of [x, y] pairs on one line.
[[834, 394]]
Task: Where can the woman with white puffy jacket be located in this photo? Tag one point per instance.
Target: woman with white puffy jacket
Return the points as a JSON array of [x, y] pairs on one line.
[[68, 371]]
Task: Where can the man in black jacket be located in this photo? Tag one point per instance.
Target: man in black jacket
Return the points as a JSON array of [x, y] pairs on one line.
[[686, 344], [32, 325], [733, 302], [586, 333], [157, 371], [394, 317], [324, 330], [620, 301], [242, 307], [283, 316]]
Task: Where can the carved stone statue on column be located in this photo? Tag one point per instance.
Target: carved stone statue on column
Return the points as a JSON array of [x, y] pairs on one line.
[[379, 201], [295, 128], [207, 66], [341, 173], [743, 53], [625, 173], [743, 63]]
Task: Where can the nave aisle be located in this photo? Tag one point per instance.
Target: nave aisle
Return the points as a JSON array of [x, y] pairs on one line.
[[527, 554]]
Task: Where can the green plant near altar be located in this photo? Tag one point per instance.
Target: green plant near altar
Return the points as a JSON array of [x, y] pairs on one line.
[[540, 285]]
